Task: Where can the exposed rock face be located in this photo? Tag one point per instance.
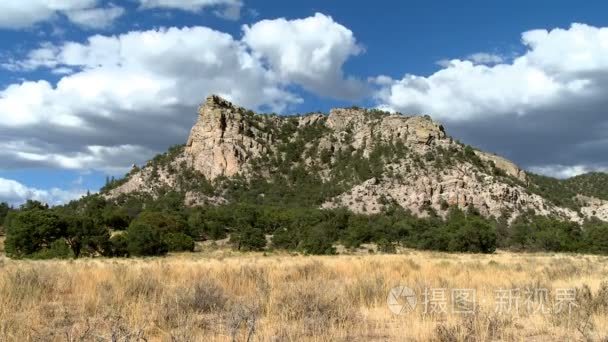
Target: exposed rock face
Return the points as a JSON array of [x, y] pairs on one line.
[[594, 207], [226, 140], [503, 164], [461, 187], [223, 139], [148, 180], [413, 129]]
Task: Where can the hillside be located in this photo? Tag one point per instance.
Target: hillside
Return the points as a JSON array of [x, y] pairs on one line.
[[359, 159], [318, 184]]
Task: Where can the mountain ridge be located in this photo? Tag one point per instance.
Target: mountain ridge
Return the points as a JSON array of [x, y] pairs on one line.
[[364, 159]]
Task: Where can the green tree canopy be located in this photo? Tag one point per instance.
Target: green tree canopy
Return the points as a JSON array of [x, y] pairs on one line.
[[32, 230]]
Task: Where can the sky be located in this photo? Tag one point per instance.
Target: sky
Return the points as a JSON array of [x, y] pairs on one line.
[[90, 87]]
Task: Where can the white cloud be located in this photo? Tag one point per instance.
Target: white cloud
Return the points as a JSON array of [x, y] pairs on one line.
[[475, 58], [565, 171], [485, 58], [19, 14], [227, 9], [557, 64], [95, 17], [545, 107], [111, 159], [309, 51], [143, 70], [123, 98], [16, 193]]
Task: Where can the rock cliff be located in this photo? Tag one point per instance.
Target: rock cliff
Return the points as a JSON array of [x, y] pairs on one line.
[[223, 139], [373, 159]]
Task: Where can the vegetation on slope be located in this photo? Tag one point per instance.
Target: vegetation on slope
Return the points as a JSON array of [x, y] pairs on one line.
[[594, 184], [562, 192], [281, 196], [140, 226]]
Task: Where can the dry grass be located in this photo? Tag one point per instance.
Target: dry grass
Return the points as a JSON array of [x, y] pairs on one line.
[[222, 295]]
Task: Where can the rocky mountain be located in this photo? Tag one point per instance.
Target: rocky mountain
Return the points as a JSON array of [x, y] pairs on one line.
[[365, 160]]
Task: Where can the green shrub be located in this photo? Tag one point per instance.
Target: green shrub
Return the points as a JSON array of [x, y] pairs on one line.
[[161, 222], [30, 231], [86, 237], [179, 242], [385, 246], [476, 236], [119, 245], [248, 239], [117, 219], [284, 238], [596, 237], [318, 240], [58, 249], [143, 240]]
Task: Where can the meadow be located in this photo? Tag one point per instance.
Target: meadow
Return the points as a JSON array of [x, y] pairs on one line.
[[222, 295]]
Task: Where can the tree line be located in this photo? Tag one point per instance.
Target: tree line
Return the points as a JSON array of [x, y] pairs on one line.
[[138, 226]]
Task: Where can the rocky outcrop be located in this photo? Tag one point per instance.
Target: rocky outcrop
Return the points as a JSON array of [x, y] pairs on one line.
[[223, 139], [594, 207], [503, 164], [433, 170], [460, 187], [363, 129]]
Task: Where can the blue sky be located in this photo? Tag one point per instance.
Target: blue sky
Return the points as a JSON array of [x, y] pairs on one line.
[[89, 87]]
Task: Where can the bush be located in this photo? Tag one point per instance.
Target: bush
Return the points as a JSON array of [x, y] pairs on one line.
[[208, 296], [160, 222], [32, 230], [179, 242], [4, 211], [143, 240], [58, 249], [476, 236], [86, 237], [385, 246], [117, 219], [314, 306], [318, 241], [119, 246], [596, 237], [284, 239], [249, 239]]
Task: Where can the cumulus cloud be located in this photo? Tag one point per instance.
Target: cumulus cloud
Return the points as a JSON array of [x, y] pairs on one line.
[[95, 18], [121, 99], [15, 193], [131, 95], [227, 9], [546, 107], [309, 51], [19, 14], [566, 171], [485, 58]]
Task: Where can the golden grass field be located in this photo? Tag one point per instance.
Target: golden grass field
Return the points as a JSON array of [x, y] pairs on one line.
[[219, 295]]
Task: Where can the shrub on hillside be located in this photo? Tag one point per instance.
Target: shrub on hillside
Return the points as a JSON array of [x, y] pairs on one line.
[[248, 239], [318, 240], [119, 246], [160, 222], [179, 242], [143, 240], [596, 237]]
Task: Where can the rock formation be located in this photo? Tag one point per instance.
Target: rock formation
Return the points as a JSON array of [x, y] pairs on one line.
[[223, 139], [432, 171]]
